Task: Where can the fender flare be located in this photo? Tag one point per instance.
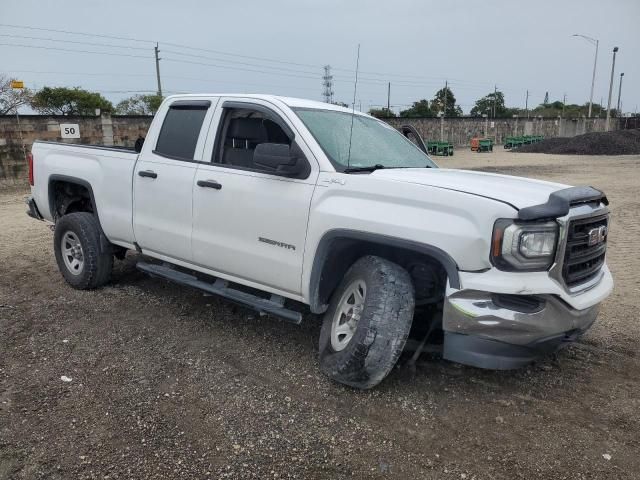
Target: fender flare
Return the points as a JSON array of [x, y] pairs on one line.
[[105, 245], [324, 248]]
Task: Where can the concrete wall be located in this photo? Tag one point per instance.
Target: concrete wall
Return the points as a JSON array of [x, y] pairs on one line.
[[460, 131], [124, 130], [102, 130]]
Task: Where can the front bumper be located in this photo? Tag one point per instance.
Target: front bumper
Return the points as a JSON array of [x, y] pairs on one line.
[[503, 332]]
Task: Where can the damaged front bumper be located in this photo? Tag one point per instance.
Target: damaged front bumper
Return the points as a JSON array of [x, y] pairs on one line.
[[503, 331]]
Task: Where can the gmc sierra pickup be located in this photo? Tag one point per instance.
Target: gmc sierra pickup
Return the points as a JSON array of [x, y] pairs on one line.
[[262, 199]]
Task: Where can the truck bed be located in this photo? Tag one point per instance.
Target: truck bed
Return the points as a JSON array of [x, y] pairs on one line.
[[106, 170]]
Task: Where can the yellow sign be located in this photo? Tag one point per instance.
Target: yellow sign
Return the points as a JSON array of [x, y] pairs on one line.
[[17, 84]]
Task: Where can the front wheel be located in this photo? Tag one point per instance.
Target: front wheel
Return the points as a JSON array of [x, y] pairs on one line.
[[366, 326]]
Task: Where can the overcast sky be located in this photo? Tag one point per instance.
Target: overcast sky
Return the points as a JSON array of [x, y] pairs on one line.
[[280, 47]]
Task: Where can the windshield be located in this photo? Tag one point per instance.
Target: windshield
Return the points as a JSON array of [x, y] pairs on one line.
[[373, 142]]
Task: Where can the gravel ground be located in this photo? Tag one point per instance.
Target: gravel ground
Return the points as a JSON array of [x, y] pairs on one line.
[[168, 383]]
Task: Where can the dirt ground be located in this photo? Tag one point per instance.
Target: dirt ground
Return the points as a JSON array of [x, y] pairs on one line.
[[169, 383]]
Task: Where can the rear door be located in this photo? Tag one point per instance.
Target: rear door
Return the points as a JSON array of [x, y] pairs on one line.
[[163, 180]]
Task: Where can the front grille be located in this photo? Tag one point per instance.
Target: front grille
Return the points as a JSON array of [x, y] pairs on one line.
[[582, 261]]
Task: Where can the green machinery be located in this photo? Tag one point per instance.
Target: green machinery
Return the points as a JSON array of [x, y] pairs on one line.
[[485, 145], [515, 142], [441, 149]]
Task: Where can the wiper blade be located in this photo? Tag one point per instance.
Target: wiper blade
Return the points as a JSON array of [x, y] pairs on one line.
[[370, 168]]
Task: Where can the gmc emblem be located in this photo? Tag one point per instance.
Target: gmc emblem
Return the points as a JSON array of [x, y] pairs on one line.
[[597, 235]]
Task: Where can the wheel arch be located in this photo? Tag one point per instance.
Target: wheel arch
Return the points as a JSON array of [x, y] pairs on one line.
[[339, 248], [54, 181]]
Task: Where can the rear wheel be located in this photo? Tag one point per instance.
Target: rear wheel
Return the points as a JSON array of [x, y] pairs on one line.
[[76, 243], [367, 323]]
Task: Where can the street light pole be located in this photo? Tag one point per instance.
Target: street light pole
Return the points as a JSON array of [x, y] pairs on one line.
[[613, 68], [595, 42], [619, 92]]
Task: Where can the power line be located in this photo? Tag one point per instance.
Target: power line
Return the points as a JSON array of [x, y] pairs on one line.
[[93, 44], [175, 77], [101, 74], [409, 81], [74, 51], [238, 63], [220, 52], [130, 39], [386, 75]]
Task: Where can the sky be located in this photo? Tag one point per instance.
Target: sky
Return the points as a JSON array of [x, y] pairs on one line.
[[281, 46]]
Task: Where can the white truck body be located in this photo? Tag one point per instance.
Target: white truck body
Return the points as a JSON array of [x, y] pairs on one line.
[[266, 230]]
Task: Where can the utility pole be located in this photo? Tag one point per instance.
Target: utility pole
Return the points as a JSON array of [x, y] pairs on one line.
[[619, 92], [158, 69], [495, 91], [444, 108], [564, 101], [526, 104], [327, 83], [388, 98], [613, 68]]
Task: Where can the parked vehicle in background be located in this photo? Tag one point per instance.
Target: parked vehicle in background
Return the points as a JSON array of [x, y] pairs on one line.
[[262, 199]]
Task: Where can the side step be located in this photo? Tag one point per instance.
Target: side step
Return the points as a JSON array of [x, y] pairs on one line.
[[273, 306]]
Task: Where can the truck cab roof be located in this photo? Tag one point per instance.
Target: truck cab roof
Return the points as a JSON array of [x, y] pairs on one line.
[[292, 102]]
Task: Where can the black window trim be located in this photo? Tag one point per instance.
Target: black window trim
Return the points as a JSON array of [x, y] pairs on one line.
[[191, 104], [184, 105], [271, 115]]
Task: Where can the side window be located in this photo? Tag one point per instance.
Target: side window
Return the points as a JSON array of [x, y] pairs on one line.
[[180, 130], [241, 130]]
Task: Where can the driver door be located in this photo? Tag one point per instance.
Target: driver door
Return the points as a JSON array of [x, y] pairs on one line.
[[250, 225]]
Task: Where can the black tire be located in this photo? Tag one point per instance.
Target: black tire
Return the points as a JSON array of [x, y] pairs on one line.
[[97, 266], [383, 327]]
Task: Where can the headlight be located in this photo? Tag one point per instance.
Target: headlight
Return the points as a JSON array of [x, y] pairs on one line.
[[523, 246]]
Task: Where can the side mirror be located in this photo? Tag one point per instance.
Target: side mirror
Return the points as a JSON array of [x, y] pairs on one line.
[[278, 158]]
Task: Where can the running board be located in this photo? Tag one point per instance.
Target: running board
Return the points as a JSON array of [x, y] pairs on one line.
[[273, 306]]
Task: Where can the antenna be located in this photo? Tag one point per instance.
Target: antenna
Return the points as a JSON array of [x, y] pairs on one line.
[[353, 105]]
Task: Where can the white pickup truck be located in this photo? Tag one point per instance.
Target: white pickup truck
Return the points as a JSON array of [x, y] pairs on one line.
[[262, 199]]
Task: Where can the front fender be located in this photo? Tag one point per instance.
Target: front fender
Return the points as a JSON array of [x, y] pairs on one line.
[[439, 220]]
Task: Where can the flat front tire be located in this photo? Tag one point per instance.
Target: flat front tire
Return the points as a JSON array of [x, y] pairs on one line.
[[76, 243], [367, 323]]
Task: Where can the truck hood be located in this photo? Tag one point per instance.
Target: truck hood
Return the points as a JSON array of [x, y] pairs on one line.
[[518, 192]]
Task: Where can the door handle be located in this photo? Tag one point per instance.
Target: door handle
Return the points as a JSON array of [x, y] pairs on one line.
[[209, 184], [148, 173]]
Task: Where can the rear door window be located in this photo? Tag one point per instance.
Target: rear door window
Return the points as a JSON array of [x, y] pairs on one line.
[[181, 129]]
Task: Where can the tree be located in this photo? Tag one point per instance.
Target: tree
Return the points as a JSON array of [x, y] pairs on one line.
[[421, 108], [444, 101], [485, 105], [570, 110], [139, 105], [11, 99], [381, 113], [69, 101]]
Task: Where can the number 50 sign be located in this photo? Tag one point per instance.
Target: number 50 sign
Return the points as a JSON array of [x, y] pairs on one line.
[[69, 130]]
